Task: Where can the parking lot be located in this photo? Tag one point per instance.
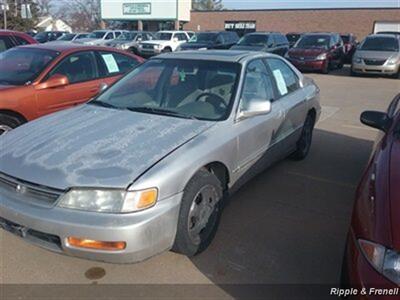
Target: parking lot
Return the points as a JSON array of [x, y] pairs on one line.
[[288, 225]]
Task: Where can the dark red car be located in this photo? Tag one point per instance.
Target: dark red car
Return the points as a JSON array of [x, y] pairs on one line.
[[317, 52], [372, 256], [10, 39]]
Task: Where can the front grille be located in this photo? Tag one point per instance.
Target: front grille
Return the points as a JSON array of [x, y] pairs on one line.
[[145, 46], [374, 62], [303, 58], [28, 192]]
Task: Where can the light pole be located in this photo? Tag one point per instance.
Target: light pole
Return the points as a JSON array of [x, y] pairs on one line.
[[5, 13]]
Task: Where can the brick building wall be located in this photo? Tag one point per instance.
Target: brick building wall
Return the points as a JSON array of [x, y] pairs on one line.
[[357, 21]]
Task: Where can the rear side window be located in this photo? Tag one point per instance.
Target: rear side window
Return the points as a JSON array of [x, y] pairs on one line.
[[112, 64], [286, 79], [78, 67], [5, 43], [20, 41]]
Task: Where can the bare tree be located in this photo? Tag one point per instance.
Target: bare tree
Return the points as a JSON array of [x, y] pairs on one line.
[[81, 15], [207, 4], [44, 7]]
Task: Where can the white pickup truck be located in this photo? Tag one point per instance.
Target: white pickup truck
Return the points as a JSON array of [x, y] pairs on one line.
[[166, 41]]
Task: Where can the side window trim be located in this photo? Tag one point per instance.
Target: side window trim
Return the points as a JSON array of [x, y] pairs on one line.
[[97, 76]]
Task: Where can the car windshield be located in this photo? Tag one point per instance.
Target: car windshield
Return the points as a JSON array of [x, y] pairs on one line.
[[67, 37], [164, 36], [313, 41], [254, 40], [203, 37], [127, 36], [293, 37], [380, 44], [195, 89], [21, 66], [97, 35]]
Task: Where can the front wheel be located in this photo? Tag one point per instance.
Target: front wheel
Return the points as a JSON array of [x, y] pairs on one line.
[[326, 68], [8, 123], [199, 214], [305, 141]]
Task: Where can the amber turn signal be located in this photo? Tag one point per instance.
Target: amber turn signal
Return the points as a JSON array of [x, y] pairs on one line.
[[97, 245]]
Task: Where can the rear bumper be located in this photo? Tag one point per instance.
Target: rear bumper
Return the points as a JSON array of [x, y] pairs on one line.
[[361, 274], [309, 65], [375, 70], [146, 233]]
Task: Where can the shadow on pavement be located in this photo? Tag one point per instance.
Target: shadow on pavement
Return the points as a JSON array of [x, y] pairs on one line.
[[288, 225]]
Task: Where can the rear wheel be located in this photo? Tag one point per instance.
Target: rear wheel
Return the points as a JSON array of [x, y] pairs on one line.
[[199, 214], [167, 50], [305, 141], [8, 122]]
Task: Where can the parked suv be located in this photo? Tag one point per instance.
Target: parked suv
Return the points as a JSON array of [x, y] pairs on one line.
[[10, 39], [211, 40], [166, 41], [378, 54], [48, 36], [100, 37], [317, 52], [272, 42], [130, 40]]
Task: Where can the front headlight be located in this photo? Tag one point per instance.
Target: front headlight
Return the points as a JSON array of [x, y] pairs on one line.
[[393, 61], [322, 56], [109, 201], [385, 261]]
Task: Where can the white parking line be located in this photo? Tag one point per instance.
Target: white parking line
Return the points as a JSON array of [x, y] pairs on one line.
[[328, 112]]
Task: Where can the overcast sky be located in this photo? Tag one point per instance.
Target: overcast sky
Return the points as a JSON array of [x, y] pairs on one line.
[[248, 4]]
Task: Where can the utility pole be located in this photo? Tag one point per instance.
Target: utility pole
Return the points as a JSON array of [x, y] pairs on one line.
[[4, 8]]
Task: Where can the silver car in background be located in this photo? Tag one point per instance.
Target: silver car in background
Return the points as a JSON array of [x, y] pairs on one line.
[[378, 54], [129, 41], [100, 37], [147, 166]]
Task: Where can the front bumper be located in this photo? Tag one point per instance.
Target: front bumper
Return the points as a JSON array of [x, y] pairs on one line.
[[146, 233], [375, 70], [149, 52], [308, 65], [361, 274]]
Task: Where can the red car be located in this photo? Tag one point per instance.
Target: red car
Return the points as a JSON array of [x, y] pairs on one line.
[[320, 52], [10, 39], [37, 80], [372, 256]]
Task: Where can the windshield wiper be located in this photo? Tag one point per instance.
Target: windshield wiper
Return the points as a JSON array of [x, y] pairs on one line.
[[160, 111], [103, 104]]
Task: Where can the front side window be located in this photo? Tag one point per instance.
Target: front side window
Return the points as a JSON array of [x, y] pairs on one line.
[[97, 35], [20, 41], [257, 85], [109, 36], [285, 78], [178, 88], [164, 36], [21, 66], [78, 67]]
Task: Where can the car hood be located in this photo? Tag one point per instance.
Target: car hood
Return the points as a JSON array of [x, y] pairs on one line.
[[248, 47], [87, 40], [90, 146], [119, 42], [313, 52], [376, 54], [156, 42]]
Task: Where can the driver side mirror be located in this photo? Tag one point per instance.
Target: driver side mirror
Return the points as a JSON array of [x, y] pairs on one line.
[[54, 81], [255, 107], [377, 120]]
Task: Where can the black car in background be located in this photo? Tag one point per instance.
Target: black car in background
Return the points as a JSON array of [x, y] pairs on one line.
[[211, 40], [272, 42], [48, 36], [350, 46], [293, 37]]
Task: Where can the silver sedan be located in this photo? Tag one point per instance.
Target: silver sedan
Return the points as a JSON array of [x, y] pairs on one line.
[[148, 165]]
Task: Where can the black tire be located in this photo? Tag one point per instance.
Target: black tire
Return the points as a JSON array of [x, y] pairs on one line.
[[327, 68], [134, 50], [305, 141], [8, 122], [184, 242], [167, 50]]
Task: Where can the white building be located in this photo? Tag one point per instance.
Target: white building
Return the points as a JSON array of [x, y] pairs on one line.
[[148, 14]]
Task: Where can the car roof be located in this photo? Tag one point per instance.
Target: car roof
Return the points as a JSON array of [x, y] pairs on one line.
[[383, 35], [214, 55], [62, 47]]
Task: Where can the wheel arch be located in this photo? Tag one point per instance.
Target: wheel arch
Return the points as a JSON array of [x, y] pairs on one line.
[[14, 114], [220, 170]]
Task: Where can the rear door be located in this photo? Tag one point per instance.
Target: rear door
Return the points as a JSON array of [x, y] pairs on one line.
[[82, 72], [6, 43], [292, 98]]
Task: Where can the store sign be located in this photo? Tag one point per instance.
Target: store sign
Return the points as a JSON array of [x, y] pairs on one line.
[[137, 8], [240, 25]]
